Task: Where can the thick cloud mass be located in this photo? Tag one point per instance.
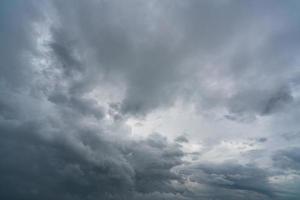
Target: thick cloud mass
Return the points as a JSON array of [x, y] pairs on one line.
[[83, 85]]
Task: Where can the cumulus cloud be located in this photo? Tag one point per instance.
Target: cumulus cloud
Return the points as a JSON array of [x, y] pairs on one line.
[[75, 74], [83, 165]]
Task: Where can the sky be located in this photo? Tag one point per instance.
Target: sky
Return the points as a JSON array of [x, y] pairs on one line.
[[149, 100]]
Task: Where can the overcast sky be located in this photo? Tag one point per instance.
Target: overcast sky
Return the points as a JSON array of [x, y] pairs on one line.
[[149, 100]]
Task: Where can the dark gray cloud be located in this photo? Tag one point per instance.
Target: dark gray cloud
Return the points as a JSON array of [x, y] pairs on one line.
[[181, 139], [74, 72], [35, 168], [17, 37], [151, 51], [260, 101], [80, 164], [288, 158], [231, 179]]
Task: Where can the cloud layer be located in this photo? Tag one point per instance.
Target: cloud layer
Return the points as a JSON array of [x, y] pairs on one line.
[[149, 100]]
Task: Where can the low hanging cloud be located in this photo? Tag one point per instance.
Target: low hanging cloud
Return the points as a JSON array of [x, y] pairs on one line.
[[74, 74]]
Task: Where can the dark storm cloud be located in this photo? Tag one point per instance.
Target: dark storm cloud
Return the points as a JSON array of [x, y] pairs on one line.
[[34, 168], [84, 166], [126, 48], [181, 139], [153, 160], [47, 153], [17, 39], [149, 45], [260, 101], [58, 141], [84, 106], [231, 180], [288, 158]]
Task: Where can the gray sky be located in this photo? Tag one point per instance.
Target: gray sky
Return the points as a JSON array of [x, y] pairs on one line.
[[149, 100]]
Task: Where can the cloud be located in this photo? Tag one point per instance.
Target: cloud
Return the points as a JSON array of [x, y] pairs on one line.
[[148, 52], [181, 139], [83, 165], [229, 176], [287, 158], [74, 73]]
